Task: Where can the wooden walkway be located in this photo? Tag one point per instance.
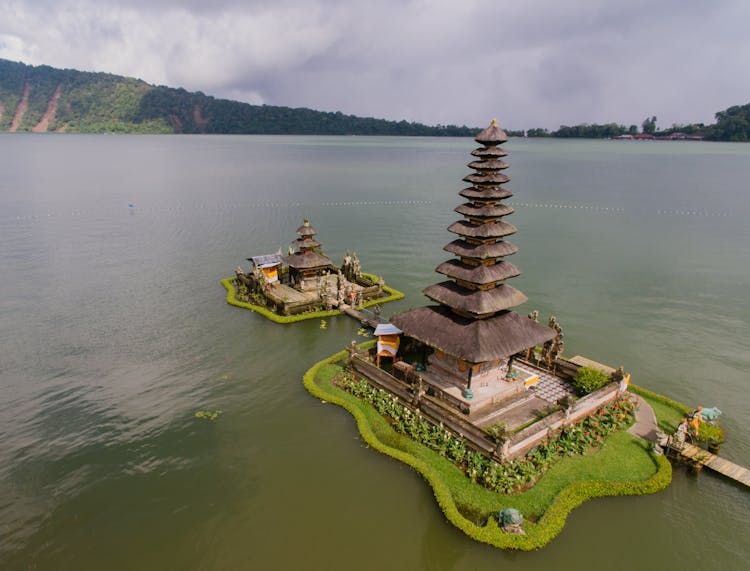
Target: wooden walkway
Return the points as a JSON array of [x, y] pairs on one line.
[[367, 320], [712, 461]]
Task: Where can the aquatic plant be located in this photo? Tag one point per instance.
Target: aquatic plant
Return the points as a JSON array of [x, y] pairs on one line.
[[208, 414]]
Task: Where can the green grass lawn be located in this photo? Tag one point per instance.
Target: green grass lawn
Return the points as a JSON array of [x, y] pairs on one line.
[[668, 412], [622, 466]]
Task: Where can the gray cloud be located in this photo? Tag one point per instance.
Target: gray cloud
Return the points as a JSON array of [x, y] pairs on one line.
[[531, 63]]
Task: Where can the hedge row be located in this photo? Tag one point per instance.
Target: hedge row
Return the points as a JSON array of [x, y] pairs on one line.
[[228, 284], [651, 395], [537, 534]]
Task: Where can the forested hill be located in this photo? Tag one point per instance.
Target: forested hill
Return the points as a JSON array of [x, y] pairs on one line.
[[45, 99]]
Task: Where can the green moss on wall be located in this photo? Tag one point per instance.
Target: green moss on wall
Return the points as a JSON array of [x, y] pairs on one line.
[[228, 284]]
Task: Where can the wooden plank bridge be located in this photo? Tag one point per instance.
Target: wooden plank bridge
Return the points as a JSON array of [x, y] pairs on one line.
[[713, 462], [367, 318]]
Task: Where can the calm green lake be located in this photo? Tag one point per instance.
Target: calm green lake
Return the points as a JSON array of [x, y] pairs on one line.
[[114, 332]]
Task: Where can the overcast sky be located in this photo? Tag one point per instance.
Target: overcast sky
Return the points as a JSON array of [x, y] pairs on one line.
[[527, 62]]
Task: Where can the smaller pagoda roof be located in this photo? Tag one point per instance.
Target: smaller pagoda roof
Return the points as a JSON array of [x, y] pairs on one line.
[[475, 340], [480, 275], [306, 229], [478, 302], [387, 329], [490, 230], [469, 209], [481, 251], [306, 242], [488, 165], [486, 152], [492, 135], [486, 193], [267, 260], [307, 261], [477, 178]]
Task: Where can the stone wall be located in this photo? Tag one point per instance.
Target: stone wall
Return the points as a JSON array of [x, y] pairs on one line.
[[517, 445]]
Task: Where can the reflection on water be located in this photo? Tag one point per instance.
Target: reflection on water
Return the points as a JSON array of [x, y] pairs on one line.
[[115, 332]]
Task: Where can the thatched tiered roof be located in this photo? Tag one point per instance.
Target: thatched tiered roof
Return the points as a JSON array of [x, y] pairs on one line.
[[481, 275], [473, 321], [306, 257], [475, 340], [306, 229]]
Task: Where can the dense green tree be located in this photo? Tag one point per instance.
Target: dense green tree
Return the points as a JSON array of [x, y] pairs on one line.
[[649, 125], [537, 132], [104, 103], [732, 124], [594, 131]]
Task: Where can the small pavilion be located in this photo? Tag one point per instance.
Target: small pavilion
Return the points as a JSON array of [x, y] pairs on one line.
[[268, 266], [472, 330], [389, 338]]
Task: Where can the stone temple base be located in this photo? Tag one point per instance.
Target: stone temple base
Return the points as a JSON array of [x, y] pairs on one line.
[[488, 389]]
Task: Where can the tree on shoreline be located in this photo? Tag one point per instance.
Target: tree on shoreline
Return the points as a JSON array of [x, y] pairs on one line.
[[649, 125]]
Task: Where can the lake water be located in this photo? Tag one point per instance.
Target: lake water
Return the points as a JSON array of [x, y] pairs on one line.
[[114, 332]]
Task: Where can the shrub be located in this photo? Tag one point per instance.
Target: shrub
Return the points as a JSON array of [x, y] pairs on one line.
[[588, 379], [712, 433]]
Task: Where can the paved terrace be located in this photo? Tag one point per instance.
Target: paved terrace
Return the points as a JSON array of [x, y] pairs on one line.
[[281, 293], [502, 402]]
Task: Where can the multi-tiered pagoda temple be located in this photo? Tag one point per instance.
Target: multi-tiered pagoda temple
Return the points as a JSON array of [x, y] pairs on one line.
[[472, 330], [306, 264]]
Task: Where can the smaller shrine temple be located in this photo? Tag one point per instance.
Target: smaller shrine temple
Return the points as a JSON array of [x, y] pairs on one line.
[[307, 265], [306, 280]]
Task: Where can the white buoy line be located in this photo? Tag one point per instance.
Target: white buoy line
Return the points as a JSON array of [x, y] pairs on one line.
[[134, 209]]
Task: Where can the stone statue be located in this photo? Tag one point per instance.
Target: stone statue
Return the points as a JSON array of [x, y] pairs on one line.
[[511, 521], [346, 267], [356, 269], [619, 374], [554, 348], [681, 434]]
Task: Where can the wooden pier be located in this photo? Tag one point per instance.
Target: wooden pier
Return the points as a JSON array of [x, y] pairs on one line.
[[713, 462], [361, 316]]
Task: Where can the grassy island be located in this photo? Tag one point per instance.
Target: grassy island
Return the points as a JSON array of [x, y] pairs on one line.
[[228, 284], [622, 465]]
